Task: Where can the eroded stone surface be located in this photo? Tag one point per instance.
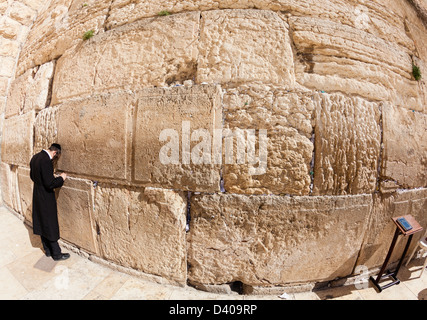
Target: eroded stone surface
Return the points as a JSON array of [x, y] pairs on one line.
[[60, 27], [16, 95], [143, 229], [95, 135], [25, 185], [30, 91], [167, 140], [17, 139], [347, 140], [405, 146], [261, 240], [287, 119], [46, 129], [233, 48], [75, 219], [9, 186], [336, 57], [150, 52]]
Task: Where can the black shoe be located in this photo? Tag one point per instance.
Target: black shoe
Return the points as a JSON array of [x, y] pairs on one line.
[[62, 256], [47, 253]]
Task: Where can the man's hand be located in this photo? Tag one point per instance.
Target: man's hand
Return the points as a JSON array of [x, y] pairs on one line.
[[64, 176]]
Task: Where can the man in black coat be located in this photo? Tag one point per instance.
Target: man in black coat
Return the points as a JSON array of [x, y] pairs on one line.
[[45, 213]]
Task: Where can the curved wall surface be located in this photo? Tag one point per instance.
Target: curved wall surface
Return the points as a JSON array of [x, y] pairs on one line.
[[286, 134]]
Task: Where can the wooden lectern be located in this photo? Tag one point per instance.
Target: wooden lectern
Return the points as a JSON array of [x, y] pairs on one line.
[[399, 231]]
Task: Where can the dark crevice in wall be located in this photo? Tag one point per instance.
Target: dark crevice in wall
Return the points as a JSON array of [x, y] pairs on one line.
[[107, 16], [380, 155], [420, 10], [50, 87]]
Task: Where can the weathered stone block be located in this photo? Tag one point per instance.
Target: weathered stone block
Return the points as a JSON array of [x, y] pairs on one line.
[[17, 139], [39, 90], [233, 48], [143, 229], [167, 140], [7, 66], [273, 240], [113, 60], [4, 83], [21, 13], [347, 140], [287, 119], [30, 91], [25, 185], [405, 146], [59, 27], [46, 129], [337, 57], [9, 186], [9, 47], [16, 95], [381, 229], [74, 200], [9, 28], [95, 136]]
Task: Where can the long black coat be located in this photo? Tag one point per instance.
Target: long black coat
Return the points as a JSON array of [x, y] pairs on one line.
[[45, 213]]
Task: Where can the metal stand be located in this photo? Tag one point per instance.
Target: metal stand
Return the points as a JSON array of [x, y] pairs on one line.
[[393, 275]]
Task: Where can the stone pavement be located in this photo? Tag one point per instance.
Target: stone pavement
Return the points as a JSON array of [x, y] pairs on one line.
[[26, 273]]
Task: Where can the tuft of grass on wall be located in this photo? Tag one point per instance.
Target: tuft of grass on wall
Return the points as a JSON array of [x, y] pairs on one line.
[[416, 72], [88, 34], [164, 13]]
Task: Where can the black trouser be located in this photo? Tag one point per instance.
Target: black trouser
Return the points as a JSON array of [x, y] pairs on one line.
[[51, 248]]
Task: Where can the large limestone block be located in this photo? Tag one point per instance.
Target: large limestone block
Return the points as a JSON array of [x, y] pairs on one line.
[[17, 139], [274, 240], [405, 147], [337, 57], [39, 91], [74, 200], [9, 47], [150, 52], [373, 17], [175, 136], [46, 129], [381, 229], [282, 163], [126, 11], [10, 29], [234, 49], [16, 95], [95, 136], [347, 140], [22, 13], [37, 5], [7, 66], [25, 185], [58, 27], [9, 186], [143, 229], [30, 91]]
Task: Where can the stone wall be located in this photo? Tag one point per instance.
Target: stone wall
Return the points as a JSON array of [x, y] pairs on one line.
[[285, 133]]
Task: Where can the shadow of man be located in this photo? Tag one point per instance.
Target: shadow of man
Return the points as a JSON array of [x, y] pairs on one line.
[[422, 295], [44, 263]]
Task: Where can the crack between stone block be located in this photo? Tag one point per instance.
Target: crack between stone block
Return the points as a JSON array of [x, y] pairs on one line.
[[107, 16]]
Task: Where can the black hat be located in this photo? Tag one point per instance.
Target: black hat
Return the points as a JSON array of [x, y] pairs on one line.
[[55, 147]]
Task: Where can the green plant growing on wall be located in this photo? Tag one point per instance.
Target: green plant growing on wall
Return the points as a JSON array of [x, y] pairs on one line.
[[88, 34], [164, 13], [416, 72]]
